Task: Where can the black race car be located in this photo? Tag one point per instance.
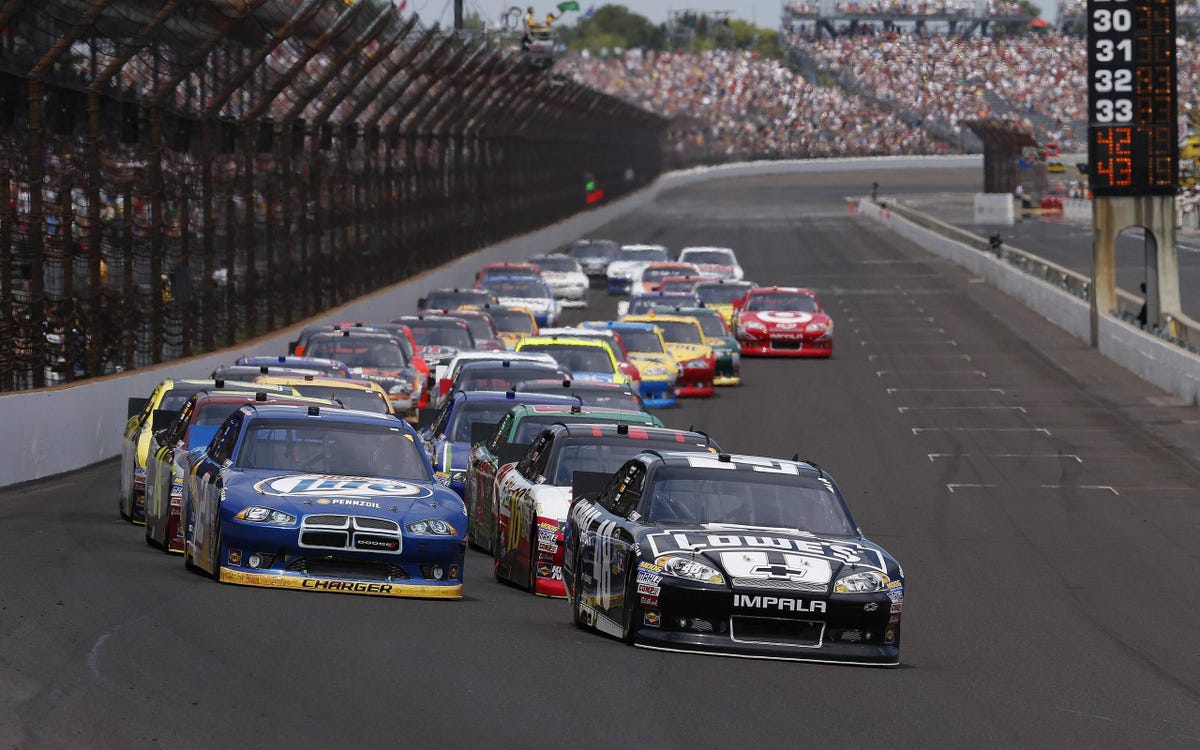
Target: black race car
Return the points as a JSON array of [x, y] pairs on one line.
[[736, 555]]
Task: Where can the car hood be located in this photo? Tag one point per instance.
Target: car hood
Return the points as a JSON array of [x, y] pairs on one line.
[[533, 303], [649, 360], [749, 552], [627, 267], [551, 501], [782, 318], [303, 494], [684, 352]]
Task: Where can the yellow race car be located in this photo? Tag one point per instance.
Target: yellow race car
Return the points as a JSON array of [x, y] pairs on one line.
[[364, 395], [685, 341]]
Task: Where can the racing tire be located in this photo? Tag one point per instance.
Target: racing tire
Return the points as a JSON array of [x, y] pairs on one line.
[[631, 613]]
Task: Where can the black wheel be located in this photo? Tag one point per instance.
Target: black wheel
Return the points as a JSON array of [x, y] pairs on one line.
[[631, 618]]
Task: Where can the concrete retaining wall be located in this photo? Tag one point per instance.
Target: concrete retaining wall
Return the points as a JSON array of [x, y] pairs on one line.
[[53, 430], [1167, 366]]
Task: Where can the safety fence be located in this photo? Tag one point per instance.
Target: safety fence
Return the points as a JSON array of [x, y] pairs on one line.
[[178, 175]]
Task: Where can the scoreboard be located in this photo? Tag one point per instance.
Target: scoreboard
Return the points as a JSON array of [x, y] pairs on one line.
[[1132, 131]]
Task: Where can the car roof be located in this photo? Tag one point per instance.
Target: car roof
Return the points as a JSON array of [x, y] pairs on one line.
[[636, 432], [274, 411], [653, 316], [627, 325], [586, 385], [515, 396], [349, 333], [348, 383], [506, 364], [739, 462], [782, 289]]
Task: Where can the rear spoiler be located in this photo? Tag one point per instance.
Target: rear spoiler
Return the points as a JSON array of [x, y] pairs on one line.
[[481, 432]]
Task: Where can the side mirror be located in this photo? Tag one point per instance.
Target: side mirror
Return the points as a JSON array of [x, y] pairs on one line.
[[135, 406], [162, 419]]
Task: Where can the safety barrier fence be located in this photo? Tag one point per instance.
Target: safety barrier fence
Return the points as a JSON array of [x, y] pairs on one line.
[[1178, 330], [179, 175]]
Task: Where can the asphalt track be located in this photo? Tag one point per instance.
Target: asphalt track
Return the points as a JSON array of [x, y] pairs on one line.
[[1043, 501]]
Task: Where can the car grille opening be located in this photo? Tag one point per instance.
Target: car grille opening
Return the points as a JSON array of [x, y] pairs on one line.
[[352, 569], [361, 533], [785, 344], [776, 631], [765, 583]]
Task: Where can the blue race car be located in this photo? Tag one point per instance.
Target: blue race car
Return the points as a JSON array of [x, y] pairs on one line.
[[331, 367], [448, 439], [322, 499]]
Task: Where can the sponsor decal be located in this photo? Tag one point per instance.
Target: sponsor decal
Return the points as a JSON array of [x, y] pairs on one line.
[[353, 502], [543, 570], [645, 576], [894, 620], [781, 316], [235, 556], [777, 566], [356, 587], [895, 584], [648, 589], [649, 567], [376, 543], [650, 601], [889, 636], [545, 546], [896, 595], [652, 619], [897, 607], [329, 486], [870, 607], [546, 526], [844, 552], [780, 603]]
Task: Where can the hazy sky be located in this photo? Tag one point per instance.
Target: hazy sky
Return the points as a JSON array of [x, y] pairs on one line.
[[765, 13]]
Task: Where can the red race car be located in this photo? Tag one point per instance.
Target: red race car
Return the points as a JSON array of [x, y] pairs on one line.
[[782, 321]]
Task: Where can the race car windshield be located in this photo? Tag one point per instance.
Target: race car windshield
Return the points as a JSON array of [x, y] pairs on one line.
[[556, 265], [518, 288], [678, 332], [512, 321], [647, 302], [654, 274], [451, 300], [575, 358], [721, 294], [782, 303], [500, 379], [642, 341], [607, 398], [642, 253], [593, 250], [678, 287], [607, 456], [712, 325], [530, 427], [453, 335], [342, 449], [351, 398], [473, 413], [208, 414], [386, 355], [708, 257], [174, 400], [690, 495]]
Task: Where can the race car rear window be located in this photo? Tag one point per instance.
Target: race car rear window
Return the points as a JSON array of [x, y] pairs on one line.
[[472, 413], [351, 398], [500, 379], [708, 257], [593, 250], [451, 300], [530, 427], [455, 335], [782, 302], [556, 265], [608, 455], [642, 341], [338, 448], [721, 294], [526, 288], [648, 254], [690, 495], [711, 324]]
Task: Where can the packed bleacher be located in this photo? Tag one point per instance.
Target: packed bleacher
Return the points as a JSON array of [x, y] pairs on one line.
[[731, 105]]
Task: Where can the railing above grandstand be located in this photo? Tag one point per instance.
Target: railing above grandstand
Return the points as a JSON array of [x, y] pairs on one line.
[[963, 17], [178, 175]]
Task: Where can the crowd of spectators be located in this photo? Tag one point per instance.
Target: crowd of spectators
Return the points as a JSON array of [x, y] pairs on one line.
[[908, 8], [734, 104]]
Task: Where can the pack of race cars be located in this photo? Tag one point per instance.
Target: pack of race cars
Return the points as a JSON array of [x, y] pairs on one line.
[[370, 456]]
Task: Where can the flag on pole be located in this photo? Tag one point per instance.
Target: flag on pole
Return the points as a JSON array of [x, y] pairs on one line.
[[568, 5]]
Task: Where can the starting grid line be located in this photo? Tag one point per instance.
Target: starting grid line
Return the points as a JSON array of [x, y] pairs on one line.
[[1073, 456]]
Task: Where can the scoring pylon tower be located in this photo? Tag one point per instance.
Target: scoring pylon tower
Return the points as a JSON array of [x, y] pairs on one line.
[[1133, 151]]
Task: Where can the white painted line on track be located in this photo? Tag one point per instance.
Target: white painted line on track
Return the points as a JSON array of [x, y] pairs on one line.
[[906, 329], [907, 342], [946, 390], [936, 456], [1080, 487], [920, 356], [901, 319], [903, 409], [956, 487], [978, 373], [919, 430]]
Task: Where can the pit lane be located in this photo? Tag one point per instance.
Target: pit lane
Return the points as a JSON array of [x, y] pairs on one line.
[[1042, 500]]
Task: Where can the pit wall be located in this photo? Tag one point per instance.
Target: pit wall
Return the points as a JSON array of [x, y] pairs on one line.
[[1167, 366], [54, 430]]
